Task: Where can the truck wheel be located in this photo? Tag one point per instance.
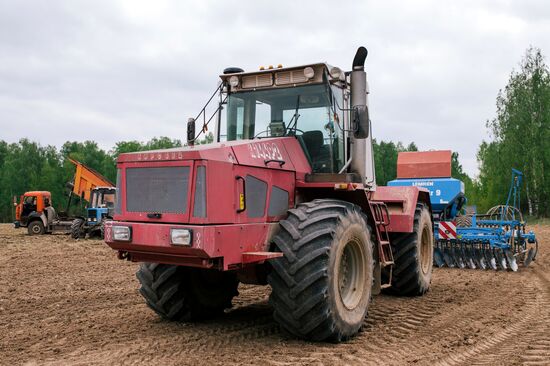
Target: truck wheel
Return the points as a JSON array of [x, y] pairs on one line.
[[321, 287], [185, 294], [76, 229], [36, 228], [413, 257]]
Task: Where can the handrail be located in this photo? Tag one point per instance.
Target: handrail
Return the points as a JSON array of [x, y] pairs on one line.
[[203, 112]]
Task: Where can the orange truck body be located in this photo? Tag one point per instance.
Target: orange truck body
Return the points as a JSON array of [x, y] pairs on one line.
[[86, 179]]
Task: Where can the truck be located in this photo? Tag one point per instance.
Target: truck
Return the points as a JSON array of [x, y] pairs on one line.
[[35, 209], [35, 212], [286, 196]]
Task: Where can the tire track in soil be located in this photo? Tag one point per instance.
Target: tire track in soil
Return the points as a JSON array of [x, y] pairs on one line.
[[401, 320], [526, 340], [415, 338]]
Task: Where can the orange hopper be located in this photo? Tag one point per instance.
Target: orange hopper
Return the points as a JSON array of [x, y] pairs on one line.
[[424, 164]]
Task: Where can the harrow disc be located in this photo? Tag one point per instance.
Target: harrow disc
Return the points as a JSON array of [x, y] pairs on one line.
[[490, 258], [501, 260], [457, 256], [469, 256], [480, 259], [529, 257], [447, 258], [512, 263], [438, 257]]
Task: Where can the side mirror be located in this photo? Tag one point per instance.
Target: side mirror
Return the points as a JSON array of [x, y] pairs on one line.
[[360, 120], [191, 131]]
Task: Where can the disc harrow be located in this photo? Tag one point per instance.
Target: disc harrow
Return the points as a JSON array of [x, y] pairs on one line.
[[485, 244]]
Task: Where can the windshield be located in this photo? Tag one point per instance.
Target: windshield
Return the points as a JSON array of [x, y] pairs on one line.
[[103, 199], [305, 112]]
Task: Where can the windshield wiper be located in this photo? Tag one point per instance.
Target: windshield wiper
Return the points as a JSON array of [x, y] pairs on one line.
[[294, 117]]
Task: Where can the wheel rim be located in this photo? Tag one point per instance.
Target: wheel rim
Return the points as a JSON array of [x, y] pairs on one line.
[[351, 274], [425, 250], [35, 229]]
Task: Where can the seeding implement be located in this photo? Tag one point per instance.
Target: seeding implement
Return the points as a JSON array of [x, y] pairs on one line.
[[495, 240], [286, 196]]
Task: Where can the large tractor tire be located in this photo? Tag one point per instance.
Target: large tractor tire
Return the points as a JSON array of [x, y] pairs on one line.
[[321, 287], [186, 294], [413, 257], [36, 228], [77, 230]]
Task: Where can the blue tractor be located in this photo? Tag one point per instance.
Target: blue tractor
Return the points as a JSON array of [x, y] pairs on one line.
[[101, 208], [497, 239]]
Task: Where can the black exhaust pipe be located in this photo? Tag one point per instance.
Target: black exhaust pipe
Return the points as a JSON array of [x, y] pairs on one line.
[[359, 59], [360, 116]]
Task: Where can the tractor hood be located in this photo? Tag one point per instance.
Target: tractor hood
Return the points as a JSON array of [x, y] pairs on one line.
[[208, 184], [275, 153]]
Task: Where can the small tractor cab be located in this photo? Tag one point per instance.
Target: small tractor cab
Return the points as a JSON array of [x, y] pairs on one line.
[[285, 196], [101, 207], [36, 213]]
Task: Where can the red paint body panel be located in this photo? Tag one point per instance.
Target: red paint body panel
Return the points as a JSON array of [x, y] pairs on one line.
[[424, 164], [208, 241], [401, 203]]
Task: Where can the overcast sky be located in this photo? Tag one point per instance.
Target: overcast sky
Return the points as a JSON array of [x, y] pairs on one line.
[[130, 70]]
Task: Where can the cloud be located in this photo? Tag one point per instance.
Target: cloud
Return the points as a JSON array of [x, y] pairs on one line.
[[119, 70]]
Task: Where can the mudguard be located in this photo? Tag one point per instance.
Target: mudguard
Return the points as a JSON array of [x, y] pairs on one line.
[[401, 203]]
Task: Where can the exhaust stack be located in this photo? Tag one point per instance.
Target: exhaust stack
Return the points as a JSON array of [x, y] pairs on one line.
[[361, 149]]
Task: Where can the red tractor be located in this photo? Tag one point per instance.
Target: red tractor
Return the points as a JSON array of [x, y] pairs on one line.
[[285, 196]]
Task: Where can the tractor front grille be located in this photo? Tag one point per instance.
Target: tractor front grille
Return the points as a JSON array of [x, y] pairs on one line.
[[157, 189]]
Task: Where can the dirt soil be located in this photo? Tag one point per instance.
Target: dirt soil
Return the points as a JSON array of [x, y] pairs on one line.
[[67, 302]]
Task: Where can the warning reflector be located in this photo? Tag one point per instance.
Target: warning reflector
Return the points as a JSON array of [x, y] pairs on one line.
[[447, 230]]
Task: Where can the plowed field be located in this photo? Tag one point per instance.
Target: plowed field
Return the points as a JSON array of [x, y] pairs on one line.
[[67, 302]]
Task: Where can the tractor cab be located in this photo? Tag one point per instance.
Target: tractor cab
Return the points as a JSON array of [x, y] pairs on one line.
[[31, 205], [312, 112], [102, 204], [310, 103]]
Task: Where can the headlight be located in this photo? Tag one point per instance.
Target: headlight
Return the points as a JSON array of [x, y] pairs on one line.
[[234, 81], [309, 72], [335, 73], [180, 236], [122, 233]]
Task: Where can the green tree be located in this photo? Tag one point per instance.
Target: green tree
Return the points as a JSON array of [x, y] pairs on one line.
[[521, 136]]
